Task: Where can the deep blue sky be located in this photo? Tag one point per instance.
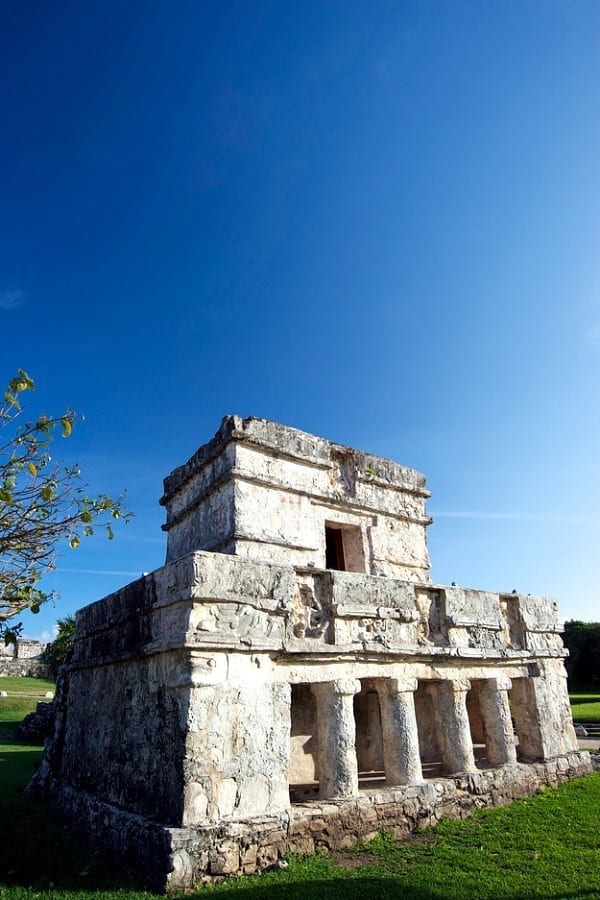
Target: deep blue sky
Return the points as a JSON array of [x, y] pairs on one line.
[[376, 222]]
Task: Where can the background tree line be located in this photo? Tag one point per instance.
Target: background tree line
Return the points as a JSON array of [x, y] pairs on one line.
[[582, 639]]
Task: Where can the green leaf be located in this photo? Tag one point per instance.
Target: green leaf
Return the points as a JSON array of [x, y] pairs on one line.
[[47, 492], [44, 425], [32, 469], [74, 542], [110, 532], [67, 426], [23, 381]]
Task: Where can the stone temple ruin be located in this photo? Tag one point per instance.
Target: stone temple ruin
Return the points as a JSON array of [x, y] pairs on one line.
[[291, 679]]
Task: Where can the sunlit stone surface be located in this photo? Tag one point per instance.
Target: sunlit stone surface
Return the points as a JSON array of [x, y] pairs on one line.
[[291, 678]]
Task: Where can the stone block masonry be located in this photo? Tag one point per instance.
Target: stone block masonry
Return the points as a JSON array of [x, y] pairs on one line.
[[291, 678], [24, 658]]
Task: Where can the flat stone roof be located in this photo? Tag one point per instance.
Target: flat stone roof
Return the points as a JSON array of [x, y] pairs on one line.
[[291, 443]]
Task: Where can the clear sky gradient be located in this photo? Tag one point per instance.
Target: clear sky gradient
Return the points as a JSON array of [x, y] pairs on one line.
[[376, 222]]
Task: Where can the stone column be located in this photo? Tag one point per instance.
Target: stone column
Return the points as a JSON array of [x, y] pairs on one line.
[[497, 722], [527, 718], [337, 764], [401, 758], [540, 705], [450, 702]]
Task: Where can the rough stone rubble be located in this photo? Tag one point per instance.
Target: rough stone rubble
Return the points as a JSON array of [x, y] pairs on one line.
[[291, 678]]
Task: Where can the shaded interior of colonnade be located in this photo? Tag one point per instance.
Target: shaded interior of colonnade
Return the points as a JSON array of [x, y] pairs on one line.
[[428, 726], [304, 764], [303, 771], [525, 724], [430, 712], [431, 727], [369, 741], [304, 759], [431, 723]]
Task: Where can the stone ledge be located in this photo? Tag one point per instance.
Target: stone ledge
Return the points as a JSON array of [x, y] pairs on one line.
[[154, 613]]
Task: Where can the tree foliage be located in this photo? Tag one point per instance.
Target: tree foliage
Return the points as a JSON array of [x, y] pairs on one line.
[[582, 639], [42, 503], [56, 652]]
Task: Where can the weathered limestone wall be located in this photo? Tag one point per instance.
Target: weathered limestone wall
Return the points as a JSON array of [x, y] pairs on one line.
[[150, 723], [237, 747], [134, 759], [122, 708], [542, 712], [287, 486], [293, 649], [210, 524]]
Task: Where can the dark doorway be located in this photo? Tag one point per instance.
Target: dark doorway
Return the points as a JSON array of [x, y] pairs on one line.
[[334, 549]]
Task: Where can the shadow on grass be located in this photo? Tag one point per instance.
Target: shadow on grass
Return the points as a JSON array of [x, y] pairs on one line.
[[36, 850], [16, 768], [39, 854], [8, 729]]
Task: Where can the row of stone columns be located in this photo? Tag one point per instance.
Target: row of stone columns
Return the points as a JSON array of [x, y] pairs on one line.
[[337, 763]]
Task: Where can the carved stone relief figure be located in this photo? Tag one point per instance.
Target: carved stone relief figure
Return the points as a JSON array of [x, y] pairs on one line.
[[311, 616], [431, 626], [514, 629], [344, 472], [423, 604], [235, 621], [486, 638], [372, 630]]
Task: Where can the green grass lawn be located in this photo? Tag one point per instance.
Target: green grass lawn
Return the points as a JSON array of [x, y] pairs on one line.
[[17, 761], [23, 697], [545, 847], [585, 705]]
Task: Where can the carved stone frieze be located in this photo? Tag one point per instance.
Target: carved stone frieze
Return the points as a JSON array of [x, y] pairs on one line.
[[233, 624]]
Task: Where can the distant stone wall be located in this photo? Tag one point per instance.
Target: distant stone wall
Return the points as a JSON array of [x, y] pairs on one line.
[[28, 649], [33, 668], [23, 658]]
